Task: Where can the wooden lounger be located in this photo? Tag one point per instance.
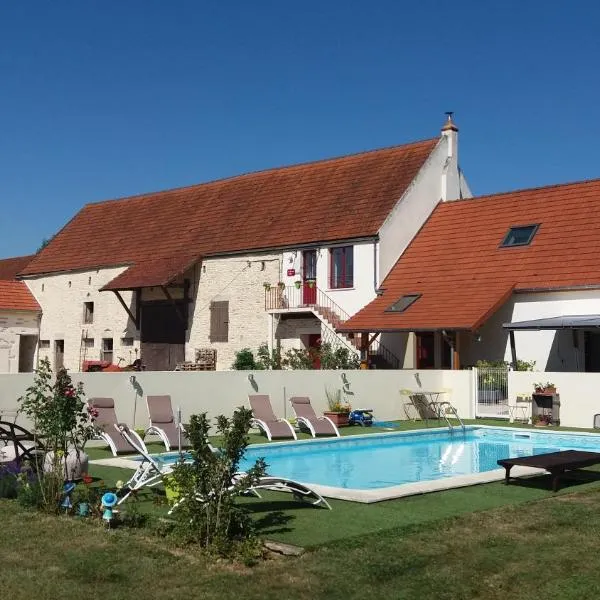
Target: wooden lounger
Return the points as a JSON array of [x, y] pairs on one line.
[[554, 462]]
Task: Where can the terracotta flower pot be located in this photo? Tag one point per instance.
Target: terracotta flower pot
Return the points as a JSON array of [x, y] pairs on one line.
[[339, 418]]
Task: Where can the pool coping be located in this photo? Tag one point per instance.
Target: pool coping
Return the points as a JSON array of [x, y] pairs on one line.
[[397, 491]]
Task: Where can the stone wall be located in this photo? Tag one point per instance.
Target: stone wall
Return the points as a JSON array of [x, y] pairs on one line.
[[13, 325], [62, 298]]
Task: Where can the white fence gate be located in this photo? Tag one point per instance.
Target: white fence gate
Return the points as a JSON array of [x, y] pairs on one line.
[[492, 392]]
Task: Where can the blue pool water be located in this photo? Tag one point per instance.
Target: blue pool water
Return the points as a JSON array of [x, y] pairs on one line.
[[384, 460]]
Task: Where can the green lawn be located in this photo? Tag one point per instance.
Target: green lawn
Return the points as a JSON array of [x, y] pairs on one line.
[[487, 541], [545, 549]]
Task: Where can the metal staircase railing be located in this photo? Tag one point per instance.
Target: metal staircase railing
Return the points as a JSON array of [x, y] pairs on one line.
[[329, 312]]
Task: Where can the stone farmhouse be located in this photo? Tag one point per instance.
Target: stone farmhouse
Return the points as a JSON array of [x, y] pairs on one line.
[[282, 256]]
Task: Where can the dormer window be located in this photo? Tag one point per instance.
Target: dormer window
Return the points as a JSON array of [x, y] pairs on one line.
[[520, 235], [403, 303]]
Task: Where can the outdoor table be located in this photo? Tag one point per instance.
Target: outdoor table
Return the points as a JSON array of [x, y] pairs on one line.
[[556, 463]]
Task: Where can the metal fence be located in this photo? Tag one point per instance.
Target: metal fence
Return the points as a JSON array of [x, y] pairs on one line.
[[492, 392]]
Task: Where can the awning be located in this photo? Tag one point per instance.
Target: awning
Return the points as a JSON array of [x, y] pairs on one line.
[[561, 322]]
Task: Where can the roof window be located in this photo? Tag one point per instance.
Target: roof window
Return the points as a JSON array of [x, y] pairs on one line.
[[520, 235], [403, 303]]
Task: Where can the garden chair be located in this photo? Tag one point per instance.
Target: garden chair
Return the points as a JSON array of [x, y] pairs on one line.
[[107, 426], [419, 406], [306, 416], [17, 445], [264, 418], [162, 422]]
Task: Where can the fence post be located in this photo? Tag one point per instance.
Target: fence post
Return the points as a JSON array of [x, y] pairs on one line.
[[474, 390]]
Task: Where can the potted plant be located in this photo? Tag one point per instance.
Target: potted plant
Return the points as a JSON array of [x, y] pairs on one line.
[[549, 388], [297, 283], [267, 286], [281, 285], [83, 497], [339, 410], [538, 387], [311, 283]]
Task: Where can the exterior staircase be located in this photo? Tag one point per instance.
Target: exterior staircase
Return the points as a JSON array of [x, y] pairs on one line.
[[293, 299]]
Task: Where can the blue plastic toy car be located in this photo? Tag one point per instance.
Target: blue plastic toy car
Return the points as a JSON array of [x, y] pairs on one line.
[[361, 416]]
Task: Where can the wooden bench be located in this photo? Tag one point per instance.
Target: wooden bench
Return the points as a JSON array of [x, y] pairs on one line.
[[556, 463]]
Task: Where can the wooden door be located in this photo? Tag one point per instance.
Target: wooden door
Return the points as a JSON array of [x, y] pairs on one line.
[[314, 345], [309, 277], [59, 354], [425, 350]]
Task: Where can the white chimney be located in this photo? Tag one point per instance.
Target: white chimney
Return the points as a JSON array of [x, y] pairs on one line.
[[450, 173]]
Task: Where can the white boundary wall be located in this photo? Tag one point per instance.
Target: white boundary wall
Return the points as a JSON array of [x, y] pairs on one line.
[[579, 393], [220, 392]]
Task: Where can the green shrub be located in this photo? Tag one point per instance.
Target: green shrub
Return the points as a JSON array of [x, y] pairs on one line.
[[244, 360], [208, 512]]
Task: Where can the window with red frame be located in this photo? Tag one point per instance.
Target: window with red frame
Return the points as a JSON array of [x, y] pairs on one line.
[[341, 267]]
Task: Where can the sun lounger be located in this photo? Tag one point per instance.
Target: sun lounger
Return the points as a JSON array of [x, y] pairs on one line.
[[150, 471], [107, 424], [306, 416], [265, 419], [162, 422]]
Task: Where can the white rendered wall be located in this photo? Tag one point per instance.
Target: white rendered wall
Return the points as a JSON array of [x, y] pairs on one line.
[[437, 180], [221, 392], [551, 350], [351, 299], [62, 297], [13, 324]]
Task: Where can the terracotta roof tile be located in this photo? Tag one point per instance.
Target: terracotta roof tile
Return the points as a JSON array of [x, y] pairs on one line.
[[456, 263], [9, 267], [329, 200], [15, 295]]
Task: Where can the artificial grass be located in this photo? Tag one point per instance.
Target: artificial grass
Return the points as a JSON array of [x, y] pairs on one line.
[[284, 520]]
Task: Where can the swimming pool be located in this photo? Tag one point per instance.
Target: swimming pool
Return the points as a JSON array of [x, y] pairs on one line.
[[378, 466]]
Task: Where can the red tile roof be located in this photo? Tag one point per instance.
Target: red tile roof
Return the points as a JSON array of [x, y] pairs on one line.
[[164, 232], [9, 267], [15, 295], [456, 263]]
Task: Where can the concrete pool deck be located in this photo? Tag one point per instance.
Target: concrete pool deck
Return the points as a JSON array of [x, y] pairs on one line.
[[397, 491]]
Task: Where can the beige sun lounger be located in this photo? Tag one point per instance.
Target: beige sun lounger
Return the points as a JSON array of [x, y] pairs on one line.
[[108, 426], [162, 422], [265, 419], [306, 416]]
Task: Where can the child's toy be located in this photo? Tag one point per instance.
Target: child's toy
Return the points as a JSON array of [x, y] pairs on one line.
[[361, 416]]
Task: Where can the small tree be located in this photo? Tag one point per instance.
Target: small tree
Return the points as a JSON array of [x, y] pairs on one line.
[[57, 410], [208, 512]]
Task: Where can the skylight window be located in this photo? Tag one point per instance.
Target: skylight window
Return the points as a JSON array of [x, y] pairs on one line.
[[519, 236], [403, 303]]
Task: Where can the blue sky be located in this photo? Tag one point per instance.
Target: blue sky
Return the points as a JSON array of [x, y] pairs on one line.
[[101, 99]]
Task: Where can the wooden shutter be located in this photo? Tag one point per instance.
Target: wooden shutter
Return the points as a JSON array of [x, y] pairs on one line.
[[219, 321]]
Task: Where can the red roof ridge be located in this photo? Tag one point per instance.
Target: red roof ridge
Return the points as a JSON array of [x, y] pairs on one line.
[[522, 190], [288, 167]]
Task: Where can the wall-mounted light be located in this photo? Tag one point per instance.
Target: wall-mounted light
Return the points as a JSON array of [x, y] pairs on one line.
[[477, 337]]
